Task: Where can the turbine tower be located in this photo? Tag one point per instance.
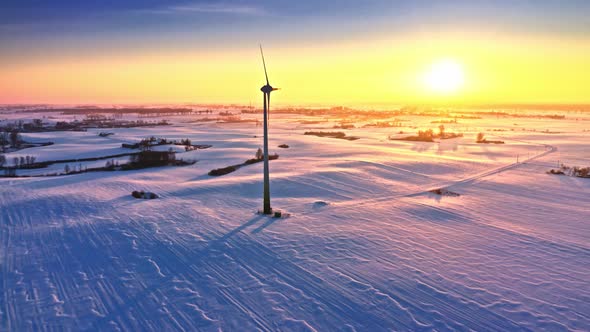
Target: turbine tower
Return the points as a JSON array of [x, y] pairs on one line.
[[266, 90]]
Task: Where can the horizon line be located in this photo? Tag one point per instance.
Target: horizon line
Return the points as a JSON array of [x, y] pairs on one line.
[[562, 106]]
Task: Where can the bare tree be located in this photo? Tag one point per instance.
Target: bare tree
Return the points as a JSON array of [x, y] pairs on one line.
[[3, 140], [14, 139], [441, 131], [480, 137], [146, 144]]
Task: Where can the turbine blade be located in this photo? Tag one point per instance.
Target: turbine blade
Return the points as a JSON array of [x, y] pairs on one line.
[[264, 64]]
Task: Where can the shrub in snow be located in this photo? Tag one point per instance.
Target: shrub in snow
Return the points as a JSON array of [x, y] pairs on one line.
[[344, 126], [319, 204], [556, 172], [229, 169], [143, 195], [481, 139], [581, 172], [333, 134], [444, 192], [256, 160], [222, 171]]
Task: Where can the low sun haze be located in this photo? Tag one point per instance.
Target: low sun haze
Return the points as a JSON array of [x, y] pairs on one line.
[[350, 53]]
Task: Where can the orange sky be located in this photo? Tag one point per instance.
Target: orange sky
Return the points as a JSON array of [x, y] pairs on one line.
[[382, 67]]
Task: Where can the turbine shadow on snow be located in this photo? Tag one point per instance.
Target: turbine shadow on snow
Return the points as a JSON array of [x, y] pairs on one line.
[[487, 153], [227, 236], [447, 146], [421, 146], [268, 223]]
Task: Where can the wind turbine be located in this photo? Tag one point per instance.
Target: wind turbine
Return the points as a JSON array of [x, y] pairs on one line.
[[266, 90]]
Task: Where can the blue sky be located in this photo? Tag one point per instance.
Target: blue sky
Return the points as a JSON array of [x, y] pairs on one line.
[[75, 28], [75, 21]]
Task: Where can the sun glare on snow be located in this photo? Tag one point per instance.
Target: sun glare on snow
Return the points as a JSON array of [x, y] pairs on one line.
[[444, 77]]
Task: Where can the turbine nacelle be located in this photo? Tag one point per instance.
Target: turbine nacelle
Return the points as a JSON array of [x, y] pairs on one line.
[[268, 89]]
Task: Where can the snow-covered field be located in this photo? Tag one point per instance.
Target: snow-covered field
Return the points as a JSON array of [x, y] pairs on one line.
[[365, 247]]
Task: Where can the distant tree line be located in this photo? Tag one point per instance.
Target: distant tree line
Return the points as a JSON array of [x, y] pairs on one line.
[[482, 140], [576, 171], [146, 144], [11, 138], [428, 135]]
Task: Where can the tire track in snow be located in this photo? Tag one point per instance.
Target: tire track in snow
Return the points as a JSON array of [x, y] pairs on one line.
[[447, 184]]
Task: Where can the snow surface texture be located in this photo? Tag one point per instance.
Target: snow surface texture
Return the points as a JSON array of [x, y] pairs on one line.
[[365, 247]]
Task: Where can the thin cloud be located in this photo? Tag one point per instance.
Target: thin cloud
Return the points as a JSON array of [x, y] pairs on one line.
[[211, 8]]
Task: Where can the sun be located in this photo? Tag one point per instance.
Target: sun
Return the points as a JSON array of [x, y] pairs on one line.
[[444, 77]]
